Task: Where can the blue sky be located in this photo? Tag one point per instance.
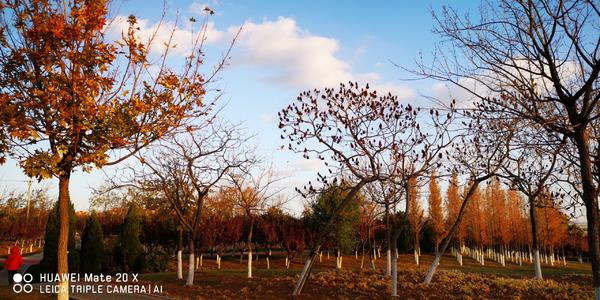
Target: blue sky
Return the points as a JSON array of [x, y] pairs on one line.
[[284, 48]]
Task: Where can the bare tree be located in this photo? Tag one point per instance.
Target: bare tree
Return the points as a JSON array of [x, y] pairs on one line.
[[531, 162], [482, 152], [255, 193], [353, 127], [184, 170], [386, 195], [365, 138], [539, 61]]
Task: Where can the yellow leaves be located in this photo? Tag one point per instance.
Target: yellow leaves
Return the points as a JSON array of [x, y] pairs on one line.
[[40, 165], [169, 81]]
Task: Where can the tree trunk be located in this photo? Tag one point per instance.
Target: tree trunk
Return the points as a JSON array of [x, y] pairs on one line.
[[590, 200], [373, 258], [323, 232], [191, 270], [249, 245], [63, 236], [395, 269], [534, 240], [362, 259], [416, 255], [305, 272], [179, 254], [388, 237], [451, 233], [268, 259]]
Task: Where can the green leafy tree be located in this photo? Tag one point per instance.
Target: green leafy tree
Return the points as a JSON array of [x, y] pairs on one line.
[[342, 236], [92, 246], [49, 263], [129, 248]]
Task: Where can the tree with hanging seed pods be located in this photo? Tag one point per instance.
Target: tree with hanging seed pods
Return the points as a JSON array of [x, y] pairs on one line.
[[364, 137]]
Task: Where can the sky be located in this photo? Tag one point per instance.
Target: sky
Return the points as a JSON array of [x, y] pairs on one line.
[[284, 47]]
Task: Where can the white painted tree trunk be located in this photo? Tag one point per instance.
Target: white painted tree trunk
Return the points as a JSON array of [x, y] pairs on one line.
[[268, 264], [191, 270], [373, 263], [201, 260], [218, 261], [63, 290], [460, 259], [537, 265], [362, 260], [482, 259], [249, 263], [374, 257], [434, 264], [320, 256], [395, 275], [388, 262], [179, 265], [197, 262], [416, 255]]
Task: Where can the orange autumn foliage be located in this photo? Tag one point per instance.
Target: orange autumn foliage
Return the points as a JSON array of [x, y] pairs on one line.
[[436, 215]]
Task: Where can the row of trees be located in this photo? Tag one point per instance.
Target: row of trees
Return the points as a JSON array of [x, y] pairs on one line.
[[73, 99], [496, 219], [91, 251], [23, 215], [532, 68]]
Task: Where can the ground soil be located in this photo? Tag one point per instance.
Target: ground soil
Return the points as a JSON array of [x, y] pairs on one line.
[[472, 281]]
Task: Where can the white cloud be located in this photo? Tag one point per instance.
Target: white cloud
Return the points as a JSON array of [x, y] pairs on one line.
[[307, 165], [182, 38], [446, 92], [488, 82], [288, 55], [300, 59]]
